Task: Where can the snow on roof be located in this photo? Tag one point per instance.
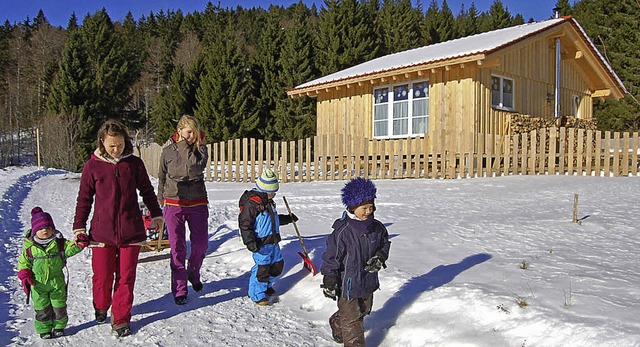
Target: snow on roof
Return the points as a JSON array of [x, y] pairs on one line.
[[466, 46]]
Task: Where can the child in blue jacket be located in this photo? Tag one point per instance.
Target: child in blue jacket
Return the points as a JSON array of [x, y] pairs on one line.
[[356, 250], [259, 224]]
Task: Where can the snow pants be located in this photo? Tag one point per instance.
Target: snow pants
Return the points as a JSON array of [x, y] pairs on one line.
[[197, 217], [268, 265], [348, 321], [50, 304], [115, 263]]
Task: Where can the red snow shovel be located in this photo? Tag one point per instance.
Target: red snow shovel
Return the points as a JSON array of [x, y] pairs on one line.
[[307, 263]]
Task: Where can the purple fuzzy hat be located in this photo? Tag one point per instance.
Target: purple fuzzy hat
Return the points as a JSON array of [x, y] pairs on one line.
[[357, 192]]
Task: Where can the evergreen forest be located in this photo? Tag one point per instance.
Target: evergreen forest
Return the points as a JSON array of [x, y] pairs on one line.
[[230, 68]]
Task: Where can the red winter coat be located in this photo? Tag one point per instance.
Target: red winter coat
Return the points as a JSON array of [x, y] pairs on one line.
[[117, 219]]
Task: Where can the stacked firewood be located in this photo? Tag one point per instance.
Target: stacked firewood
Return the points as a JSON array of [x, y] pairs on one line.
[[521, 123], [525, 124]]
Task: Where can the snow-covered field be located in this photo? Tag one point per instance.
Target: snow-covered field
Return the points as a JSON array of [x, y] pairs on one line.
[[455, 275]]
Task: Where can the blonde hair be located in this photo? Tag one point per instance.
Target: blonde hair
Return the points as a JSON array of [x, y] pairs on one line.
[[113, 127], [187, 121]]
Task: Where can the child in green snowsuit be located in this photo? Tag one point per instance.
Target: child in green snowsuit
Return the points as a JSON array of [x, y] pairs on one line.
[[40, 267]]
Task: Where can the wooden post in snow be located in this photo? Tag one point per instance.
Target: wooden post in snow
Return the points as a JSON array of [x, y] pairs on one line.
[[38, 146], [575, 208]]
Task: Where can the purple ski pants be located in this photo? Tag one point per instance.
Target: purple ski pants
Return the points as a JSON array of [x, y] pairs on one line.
[[176, 219]]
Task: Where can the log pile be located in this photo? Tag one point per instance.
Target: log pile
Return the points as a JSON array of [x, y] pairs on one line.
[[525, 124], [521, 123]]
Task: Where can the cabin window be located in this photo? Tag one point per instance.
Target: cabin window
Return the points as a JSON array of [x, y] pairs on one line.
[[576, 106], [401, 110], [501, 92]]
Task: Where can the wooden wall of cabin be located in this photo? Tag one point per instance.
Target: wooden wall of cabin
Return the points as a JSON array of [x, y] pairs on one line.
[[532, 68], [345, 111]]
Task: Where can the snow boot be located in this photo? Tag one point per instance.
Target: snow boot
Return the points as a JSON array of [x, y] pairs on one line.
[[57, 333], [263, 302], [181, 300], [46, 336], [270, 292], [123, 331], [101, 315]]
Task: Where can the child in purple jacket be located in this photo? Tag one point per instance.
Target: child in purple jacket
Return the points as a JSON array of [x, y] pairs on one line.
[[356, 250]]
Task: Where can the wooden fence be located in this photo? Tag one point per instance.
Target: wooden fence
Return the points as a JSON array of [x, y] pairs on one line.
[[552, 151]]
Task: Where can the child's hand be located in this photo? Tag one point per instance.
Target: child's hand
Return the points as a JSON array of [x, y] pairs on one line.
[[26, 279], [82, 240], [329, 287], [374, 264], [251, 246]]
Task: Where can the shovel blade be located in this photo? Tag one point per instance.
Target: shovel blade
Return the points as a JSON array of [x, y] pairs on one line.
[[308, 264]]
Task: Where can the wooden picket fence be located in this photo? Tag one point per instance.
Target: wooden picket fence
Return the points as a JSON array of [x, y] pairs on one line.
[[551, 151]]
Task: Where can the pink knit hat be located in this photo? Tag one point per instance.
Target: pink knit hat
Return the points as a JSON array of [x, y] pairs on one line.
[[40, 220]]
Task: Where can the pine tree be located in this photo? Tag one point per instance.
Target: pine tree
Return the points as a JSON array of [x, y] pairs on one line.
[[171, 104], [295, 117], [398, 25], [93, 79], [445, 25], [269, 71], [467, 21], [564, 7], [328, 39], [430, 31], [498, 17], [615, 30], [225, 101]]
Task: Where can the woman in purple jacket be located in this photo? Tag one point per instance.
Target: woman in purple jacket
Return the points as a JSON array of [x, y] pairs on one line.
[[111, 176], [356, 250]]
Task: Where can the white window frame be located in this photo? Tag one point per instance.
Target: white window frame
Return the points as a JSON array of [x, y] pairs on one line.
[[500, 105], [390, 106]]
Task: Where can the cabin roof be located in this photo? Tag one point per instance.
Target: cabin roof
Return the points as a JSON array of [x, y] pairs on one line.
[[474, 47]]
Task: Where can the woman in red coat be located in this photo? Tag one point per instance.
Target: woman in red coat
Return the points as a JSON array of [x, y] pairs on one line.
[[111, 176]]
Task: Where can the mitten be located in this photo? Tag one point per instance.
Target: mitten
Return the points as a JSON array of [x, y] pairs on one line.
[[294, 217], [329, 287], [251, 246], [82, 240], [26, 279], [375, 263]]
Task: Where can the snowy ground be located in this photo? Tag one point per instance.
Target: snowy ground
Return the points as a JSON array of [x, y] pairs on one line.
[[455, 275]]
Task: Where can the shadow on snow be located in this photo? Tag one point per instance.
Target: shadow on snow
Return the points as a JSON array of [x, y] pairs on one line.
[[384, 318]]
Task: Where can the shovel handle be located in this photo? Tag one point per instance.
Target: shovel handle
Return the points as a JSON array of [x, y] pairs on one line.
[[295, 226]]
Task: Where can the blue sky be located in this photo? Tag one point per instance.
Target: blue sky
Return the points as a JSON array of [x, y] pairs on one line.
[[59, 11]]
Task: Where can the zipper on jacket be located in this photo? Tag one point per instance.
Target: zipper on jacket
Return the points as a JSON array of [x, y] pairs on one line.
[[117, 204]]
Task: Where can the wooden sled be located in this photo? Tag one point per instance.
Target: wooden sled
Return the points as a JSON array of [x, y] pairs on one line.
[[158, 244]]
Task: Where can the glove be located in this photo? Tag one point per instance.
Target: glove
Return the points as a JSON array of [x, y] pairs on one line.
[[82, 240], [287, 219], [26, 279], [375, 263], [251, 246], [329, 287]]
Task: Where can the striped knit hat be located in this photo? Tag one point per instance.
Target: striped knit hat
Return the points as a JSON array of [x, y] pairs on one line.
[[40, 220], [268, 182]]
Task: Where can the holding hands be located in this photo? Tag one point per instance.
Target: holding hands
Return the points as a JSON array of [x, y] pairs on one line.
[[82, 239]]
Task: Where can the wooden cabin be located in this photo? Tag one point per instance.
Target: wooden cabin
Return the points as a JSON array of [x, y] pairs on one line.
[[453, 90]]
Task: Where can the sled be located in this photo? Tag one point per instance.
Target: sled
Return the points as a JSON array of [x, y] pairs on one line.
[[157, 240], [306, 262]]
